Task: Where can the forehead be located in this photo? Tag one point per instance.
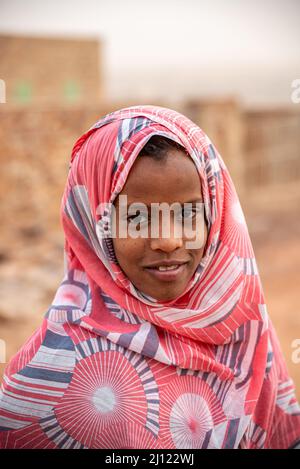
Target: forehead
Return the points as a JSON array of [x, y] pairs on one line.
[[174, 179]]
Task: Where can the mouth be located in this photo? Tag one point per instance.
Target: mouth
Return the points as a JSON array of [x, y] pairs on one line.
[[167, 273]]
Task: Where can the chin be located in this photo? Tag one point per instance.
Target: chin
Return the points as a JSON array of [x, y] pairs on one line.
[[170, 297]]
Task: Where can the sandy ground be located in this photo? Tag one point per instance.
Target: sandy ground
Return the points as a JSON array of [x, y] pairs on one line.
[[33, 268]]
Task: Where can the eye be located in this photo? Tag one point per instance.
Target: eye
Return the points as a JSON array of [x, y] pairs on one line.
[[138, 217], [188, 213]]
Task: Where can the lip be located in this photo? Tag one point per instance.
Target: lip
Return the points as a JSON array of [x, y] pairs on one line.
[[167, 275], [166, 263]]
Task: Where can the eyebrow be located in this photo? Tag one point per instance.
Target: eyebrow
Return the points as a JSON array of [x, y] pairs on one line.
[[194, 201]]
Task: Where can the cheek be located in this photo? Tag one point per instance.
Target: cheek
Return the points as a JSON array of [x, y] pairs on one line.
[[204, 240], [121, 248], [199, 251], [128, 251]]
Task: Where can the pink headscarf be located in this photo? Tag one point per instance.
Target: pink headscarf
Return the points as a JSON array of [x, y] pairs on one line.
[[204, 370]]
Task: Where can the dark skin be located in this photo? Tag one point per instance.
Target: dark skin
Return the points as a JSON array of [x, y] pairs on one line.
[[174, 179]]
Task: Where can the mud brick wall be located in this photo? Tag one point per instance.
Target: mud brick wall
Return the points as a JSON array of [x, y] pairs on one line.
[[272, 146], [222, 121], [261, 148], [35, 148], [45, 70]]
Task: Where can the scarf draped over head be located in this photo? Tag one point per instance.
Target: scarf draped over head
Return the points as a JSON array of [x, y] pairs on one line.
[[218, 355]]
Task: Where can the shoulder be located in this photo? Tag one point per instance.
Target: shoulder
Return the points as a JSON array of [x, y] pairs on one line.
[[36, 378]]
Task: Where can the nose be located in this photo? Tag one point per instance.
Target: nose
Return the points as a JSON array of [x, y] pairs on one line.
[[166, 244]]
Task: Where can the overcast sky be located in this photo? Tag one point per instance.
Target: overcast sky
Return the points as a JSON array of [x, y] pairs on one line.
[[179, 47]]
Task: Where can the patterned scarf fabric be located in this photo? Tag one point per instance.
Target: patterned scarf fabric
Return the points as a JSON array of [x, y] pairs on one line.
[[111, 367]]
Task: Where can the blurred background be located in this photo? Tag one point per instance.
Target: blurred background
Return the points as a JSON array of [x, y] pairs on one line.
[[228, 65]]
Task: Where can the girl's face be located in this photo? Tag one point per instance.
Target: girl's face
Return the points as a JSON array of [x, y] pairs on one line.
[[174, 180]]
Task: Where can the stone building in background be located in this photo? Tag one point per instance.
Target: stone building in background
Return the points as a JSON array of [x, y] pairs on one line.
[[261, 147], [51, 71], [272, 146], [222, 121]]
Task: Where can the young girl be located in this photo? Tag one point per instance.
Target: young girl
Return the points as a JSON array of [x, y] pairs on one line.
[[153, 340]]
